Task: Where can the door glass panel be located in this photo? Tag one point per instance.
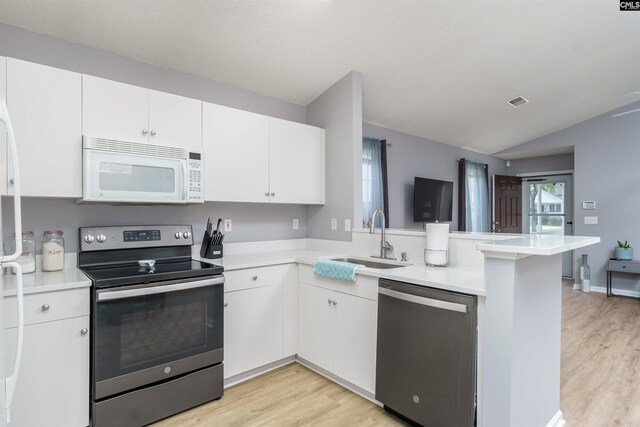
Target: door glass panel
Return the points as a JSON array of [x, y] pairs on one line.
[[128, 177], [546, 207]]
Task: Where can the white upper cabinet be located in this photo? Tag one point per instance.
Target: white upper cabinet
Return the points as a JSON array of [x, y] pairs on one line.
[[114, 110], [236, 155], [297, 163], [175, 120], [3, 129], [46, 112], [254, 158], [124, 112]]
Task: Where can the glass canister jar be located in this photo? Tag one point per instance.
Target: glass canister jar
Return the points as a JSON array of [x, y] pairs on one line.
[[53, 250], [28, 256]]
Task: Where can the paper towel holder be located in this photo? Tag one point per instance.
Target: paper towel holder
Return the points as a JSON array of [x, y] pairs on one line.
[[434, 251]]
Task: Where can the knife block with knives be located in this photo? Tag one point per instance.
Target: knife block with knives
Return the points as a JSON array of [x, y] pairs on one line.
[[212, 241]]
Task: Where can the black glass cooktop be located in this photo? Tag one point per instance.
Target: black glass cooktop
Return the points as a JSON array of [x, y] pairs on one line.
[[120, 275]]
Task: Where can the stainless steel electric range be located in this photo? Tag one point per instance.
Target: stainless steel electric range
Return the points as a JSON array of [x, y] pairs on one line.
[[157, 323]]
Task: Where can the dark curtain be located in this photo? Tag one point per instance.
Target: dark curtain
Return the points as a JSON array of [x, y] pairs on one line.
[[385, 186], [462, 196]]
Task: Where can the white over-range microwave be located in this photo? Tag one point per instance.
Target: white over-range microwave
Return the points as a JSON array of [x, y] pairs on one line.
[[129, 172]]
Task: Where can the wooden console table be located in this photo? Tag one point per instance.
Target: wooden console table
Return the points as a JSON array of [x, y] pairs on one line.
[[616, 266]]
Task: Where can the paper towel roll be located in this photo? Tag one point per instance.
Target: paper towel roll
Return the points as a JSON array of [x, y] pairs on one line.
[[437, 244]]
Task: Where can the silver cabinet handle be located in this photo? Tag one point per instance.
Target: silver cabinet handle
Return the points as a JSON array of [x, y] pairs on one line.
[[273, 194], [226, 304], [335, 303], [266, 194], [153, 132], [84, 331], [329, 301], [12, 181], [254, 278], [145, 131], [45, 307]]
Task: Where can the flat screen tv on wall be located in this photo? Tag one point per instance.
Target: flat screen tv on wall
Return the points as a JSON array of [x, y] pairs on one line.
[[432, 200]]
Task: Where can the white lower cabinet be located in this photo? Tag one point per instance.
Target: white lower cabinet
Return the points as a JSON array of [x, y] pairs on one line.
[[337, 332], [53, 382], [259, 317], [252, 329]]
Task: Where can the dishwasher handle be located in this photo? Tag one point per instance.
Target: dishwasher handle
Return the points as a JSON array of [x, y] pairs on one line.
[[445, 305]]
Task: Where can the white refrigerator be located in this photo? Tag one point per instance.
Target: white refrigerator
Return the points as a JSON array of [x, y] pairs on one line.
[[9, 369]]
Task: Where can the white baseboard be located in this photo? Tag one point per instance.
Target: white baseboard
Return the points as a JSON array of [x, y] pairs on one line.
[[621, 292], [557, 420], [351, 387], [245, 376]]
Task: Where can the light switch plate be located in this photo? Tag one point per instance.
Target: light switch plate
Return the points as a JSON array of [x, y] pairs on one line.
[[591, 220], [347, 225], [588, 205], [334, 224], [227, 224], [296, 223]]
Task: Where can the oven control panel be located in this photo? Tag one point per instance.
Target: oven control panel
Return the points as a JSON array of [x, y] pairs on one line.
[[135, 236], [141, 235]]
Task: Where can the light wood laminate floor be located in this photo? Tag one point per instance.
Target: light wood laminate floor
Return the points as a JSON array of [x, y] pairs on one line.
[[600, 379]]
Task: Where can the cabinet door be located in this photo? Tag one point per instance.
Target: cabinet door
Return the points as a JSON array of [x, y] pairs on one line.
[[45, 104], [53, 383], [315, 325], [114, 110], [236, 155], [297, 163], [175, 121], [252, 329], [3, 130], [355, 340]]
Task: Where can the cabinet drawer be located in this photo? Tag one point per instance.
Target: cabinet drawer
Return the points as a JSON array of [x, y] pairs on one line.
[[62, 305], [624, 266], [254, 277], [364, 286]]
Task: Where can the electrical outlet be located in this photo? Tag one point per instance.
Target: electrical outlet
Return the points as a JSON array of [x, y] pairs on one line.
[[334, 224], [227, 224], [296, 223], [347, 225], [591, 220]]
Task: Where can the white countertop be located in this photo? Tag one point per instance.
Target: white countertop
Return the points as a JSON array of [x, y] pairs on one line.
[[46, 281], [456, 279], [538, 244]]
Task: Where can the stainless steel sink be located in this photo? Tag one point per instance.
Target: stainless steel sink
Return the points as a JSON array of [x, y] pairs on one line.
[[369, 263]]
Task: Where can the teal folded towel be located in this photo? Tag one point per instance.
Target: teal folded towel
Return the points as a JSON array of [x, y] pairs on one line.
[[336, 270]]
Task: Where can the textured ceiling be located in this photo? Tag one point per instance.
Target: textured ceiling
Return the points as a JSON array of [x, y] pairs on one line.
[[441, 70]]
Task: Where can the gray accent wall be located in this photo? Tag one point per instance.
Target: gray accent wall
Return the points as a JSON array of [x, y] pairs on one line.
[[606, 151], [251, 221], [22, 44], [411, 156], [339, 111], [561, 162]]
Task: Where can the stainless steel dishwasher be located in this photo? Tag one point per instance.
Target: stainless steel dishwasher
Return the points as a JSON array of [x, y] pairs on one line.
[[426, 354]]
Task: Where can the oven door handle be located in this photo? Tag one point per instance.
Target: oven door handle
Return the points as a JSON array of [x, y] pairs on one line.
[[108, 295]]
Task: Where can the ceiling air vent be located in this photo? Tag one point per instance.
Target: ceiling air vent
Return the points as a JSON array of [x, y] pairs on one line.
[[516, 102]]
